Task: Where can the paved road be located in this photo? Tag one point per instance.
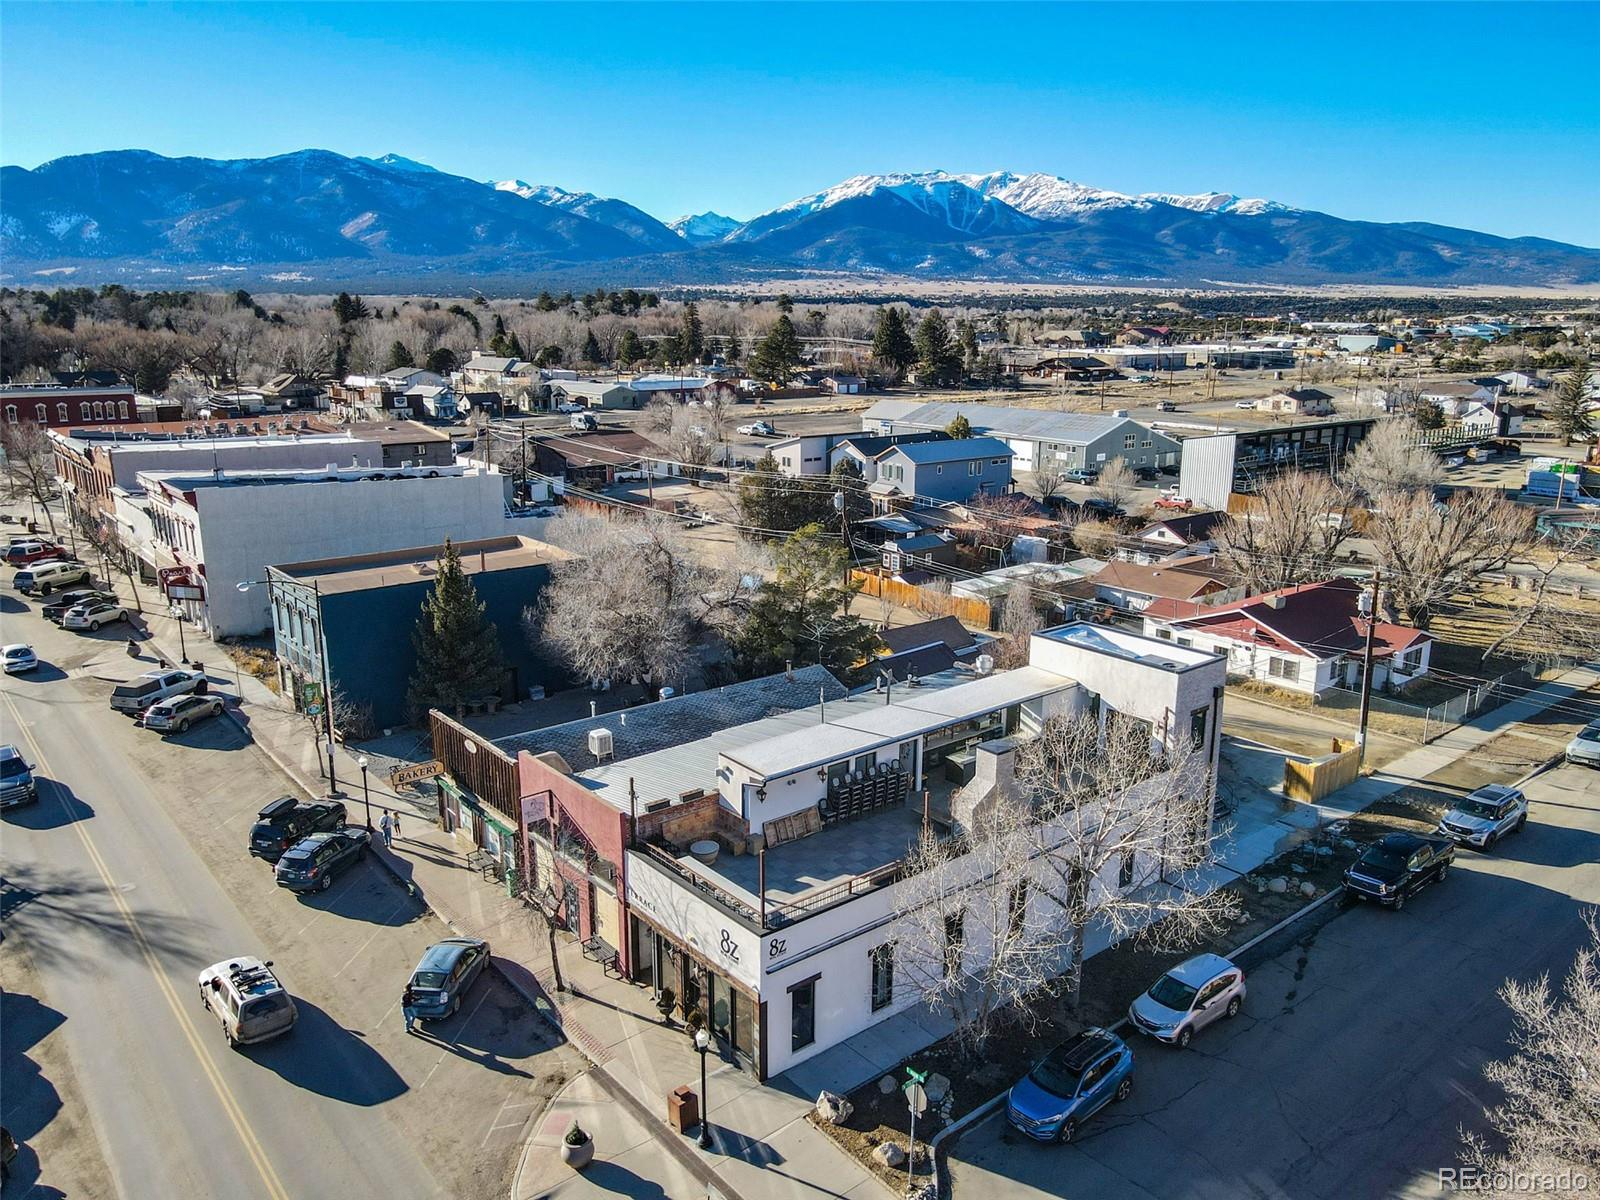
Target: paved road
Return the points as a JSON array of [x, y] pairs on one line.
[[1360, 1050], [131, 875]]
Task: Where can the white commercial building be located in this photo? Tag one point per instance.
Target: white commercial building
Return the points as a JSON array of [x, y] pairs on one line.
[[217, 530]]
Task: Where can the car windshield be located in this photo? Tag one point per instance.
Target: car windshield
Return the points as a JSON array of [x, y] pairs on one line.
[[264, 1006], [428, 979], [298, 858], [10, 768], [1054, 1078], [1384, 858], [1477, 808], [1173, 993]]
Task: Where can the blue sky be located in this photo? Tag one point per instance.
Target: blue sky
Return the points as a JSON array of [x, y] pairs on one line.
[[1457, 114]]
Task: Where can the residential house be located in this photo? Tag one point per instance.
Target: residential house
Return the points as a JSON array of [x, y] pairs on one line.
[[406, 443], [293, 391], [681, 388], [598, 458], [1520, 383], [1134, 587], [595, 393], [1189, 534], [1040, 439], [783, 936], [918, 552], [819, 453], [1069, 338], [1454, 398], [946, 470], [1298, 402], [924, 648], [435, 401], [842, 385], [1147, 335], [1307, 638]]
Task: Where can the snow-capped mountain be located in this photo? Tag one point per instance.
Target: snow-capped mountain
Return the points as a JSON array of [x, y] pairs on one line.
[[700, 228], [321, 218]]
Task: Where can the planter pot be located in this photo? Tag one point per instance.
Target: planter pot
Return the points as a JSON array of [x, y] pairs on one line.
[[578, 1157]]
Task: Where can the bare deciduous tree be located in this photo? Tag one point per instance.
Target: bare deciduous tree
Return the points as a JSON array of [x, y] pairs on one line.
[[1020, 619], [1096, 538], [1430, 552], [1291, 536], [1550, 1117], [30, 465], [933, 598], [1049, 481], [1116, 483], [1552, 626], [1391, 458], [116, 556]]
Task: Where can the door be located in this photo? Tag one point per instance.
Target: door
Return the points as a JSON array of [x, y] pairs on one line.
[[1095, 1088], [1207, 1004]]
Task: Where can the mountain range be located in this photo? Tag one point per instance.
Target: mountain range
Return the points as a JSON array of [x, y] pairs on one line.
[[316, 216]]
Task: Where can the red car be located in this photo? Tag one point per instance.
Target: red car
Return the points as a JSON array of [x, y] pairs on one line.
[[1181, 503], [20, 554]]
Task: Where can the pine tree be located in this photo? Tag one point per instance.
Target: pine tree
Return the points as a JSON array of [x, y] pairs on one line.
[[1569, 405], [630, 349], [785, 303], [347, 308], [734, 349], [938, 360], [691, 339], [777, 355], [458, 650], [591, 352], [399, 357], [891, 343], [798, 616], [545, 303], [960, 428], [441, 361], [514, 348]]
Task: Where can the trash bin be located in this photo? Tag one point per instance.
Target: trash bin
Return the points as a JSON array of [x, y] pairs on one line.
[[683, 1109]]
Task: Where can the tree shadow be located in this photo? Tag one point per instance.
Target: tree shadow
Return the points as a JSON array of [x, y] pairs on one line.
[[32, 1101], [58, 805], [618, 1180], [54, 911], [322, 1056]]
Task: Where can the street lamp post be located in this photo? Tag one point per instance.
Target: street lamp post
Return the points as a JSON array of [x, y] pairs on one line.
[[366, 796], [702, 1043], [176, 613]]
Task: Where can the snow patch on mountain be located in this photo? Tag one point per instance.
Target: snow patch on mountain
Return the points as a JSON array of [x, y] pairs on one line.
[[703, 227], [400, 162], [952, 198]]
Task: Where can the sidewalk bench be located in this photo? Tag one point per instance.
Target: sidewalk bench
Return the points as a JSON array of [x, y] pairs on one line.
[[596, 949]]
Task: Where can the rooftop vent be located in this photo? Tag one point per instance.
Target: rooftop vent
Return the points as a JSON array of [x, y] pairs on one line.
[[600, 744], [985, 664]]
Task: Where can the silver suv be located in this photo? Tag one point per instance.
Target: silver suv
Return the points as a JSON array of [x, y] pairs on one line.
[[1486, 816], [1189, 997], [246, 997]]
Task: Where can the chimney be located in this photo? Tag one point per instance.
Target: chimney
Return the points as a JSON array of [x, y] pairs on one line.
[[994, 772], [1275, 600]]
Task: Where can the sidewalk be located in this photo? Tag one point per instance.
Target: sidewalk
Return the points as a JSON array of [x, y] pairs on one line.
[[763, 1146]]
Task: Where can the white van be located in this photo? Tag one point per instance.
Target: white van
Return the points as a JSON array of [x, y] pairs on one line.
[[583, 420], [144, 690], [45, 577]]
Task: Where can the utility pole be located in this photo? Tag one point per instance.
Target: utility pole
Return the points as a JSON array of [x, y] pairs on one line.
[[843, 510], [1366, 673]]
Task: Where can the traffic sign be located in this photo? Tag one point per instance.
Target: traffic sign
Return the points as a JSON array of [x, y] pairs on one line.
[[916, 1098]]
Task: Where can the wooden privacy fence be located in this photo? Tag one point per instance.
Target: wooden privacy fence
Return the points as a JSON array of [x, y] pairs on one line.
[[938, 604], [1311, 781]]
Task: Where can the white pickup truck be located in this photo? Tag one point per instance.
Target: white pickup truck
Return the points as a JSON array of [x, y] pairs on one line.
[[144, 690]]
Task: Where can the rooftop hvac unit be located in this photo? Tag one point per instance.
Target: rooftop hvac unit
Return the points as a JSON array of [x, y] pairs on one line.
[[600, 744], [985, 664]]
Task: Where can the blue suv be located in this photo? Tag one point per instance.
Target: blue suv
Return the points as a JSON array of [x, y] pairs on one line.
[[1070, 1084]]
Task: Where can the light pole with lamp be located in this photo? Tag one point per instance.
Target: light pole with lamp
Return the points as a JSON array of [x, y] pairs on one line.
[[702, 1043], [366, 796], [177, 614], [244, 586]]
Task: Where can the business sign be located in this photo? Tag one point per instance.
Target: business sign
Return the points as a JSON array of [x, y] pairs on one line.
[[415, 773], [182, 591], [311, 698]]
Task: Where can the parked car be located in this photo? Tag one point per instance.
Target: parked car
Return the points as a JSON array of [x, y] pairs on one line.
[[1189, 997], [1180, 503], [20, 554], [1146, 472], [1070, 1084], [1244, 403], [1096, 506], [758, 429], [1166, 406], [94, 614], [58, 608], [582, 420], [286, 820], [1585, 747], [1061, 506], [47, 575], [17, 784], [567, 408], [152, 687], [1485, 816], [180, 712], [312, 862], [445, 973], [1080, 475], [18, 657], [1396, 867], [246, 997]]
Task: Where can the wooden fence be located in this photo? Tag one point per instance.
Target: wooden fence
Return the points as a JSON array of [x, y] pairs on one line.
[[936, 604], [1311, 781], [477, 763]]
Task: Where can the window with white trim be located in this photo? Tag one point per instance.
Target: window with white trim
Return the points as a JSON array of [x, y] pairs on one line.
[[1279, 667]]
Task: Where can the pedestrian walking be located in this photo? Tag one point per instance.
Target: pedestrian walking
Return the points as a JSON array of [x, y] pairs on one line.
[[408, 1007], [386, 827], [397, 824]]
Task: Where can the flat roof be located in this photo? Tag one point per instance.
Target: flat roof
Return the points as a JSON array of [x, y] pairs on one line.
[[396, 432], [184, 481], [395, 568], [1132, 647]]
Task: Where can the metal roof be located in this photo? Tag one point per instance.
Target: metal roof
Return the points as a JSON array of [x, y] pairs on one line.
[[950, 451], [1001, 421]]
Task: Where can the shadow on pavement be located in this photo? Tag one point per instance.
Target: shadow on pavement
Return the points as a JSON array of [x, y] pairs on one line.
[[72, 919], [43, 673], [57, 806], [364, 893], [31, 1100], [324, 1057]]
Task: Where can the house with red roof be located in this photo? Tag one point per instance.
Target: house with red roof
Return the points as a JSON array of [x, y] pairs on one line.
[[1307, 638]]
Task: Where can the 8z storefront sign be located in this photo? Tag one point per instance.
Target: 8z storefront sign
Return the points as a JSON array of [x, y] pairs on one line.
[[729, 947]]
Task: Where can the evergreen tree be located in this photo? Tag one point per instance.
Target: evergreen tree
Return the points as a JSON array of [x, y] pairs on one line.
[[734, 350], [777, 355], [798, 615], [500, 346], [514, 348], [591, 352], [785, 303], [967, 336], [959, 428], [938, 359], [348, 308], [545, 303], [691, 338], [458, 650], [1569, 406], [891, 343], [761, 496], [341, 357], [441, 361], [548, 356], [630, 349], [399, 357]]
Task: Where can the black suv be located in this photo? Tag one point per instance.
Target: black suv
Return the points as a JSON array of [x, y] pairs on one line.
[[1396, 866], [286, 820], [312, 862], [56, 610]]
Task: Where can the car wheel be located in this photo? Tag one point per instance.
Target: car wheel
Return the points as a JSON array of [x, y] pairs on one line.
[[1233, 1007], [1125, 1088], [1185, 1036], [1444, 869], [327, 882], [205, 1000], [1399, 902], [1521, 821], [1069, 1130], [94, 626], [183, 725]]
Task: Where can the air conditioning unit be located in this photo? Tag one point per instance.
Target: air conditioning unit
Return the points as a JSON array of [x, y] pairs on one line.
[[600, 744], [985, 664]]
